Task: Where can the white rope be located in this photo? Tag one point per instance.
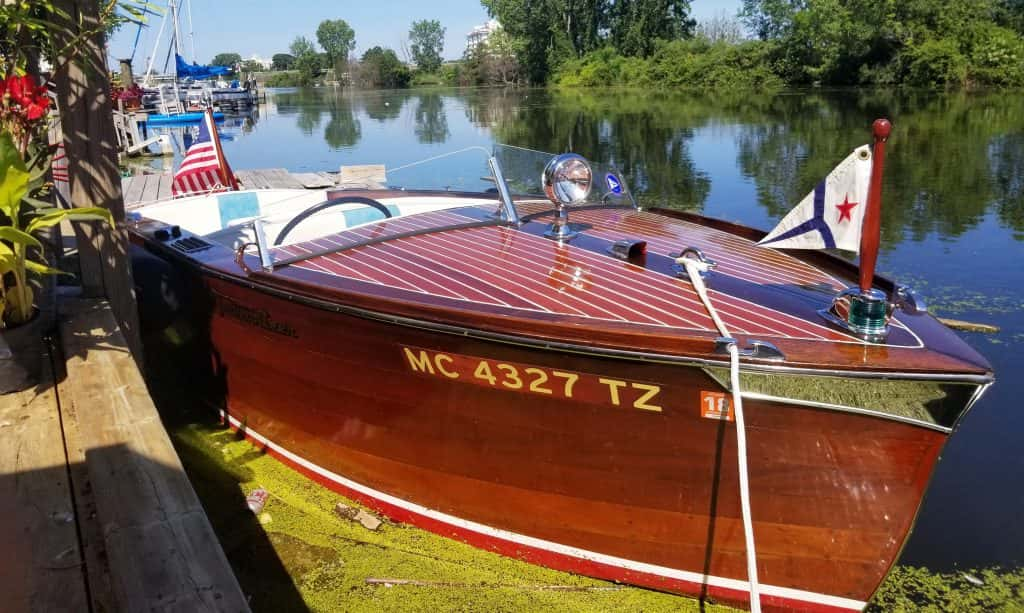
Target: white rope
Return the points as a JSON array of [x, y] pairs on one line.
[[693, 268]]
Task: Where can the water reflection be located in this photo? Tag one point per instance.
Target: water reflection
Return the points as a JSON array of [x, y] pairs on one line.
[[343, 129], [384, 106], [431, 120]]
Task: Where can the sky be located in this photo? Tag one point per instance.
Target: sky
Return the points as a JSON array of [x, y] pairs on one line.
[[266, 27]]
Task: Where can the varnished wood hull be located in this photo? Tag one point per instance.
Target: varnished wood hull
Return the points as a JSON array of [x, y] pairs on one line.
[[603, 488]]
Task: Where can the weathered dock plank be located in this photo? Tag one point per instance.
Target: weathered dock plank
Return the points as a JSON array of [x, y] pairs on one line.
[[132, 187], [41, 564], [162, 551], [314, 180], [151, 188], [281, 178]]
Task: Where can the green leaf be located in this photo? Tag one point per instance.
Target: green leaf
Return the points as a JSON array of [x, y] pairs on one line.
[[41, 269], [18, 237], [13, 177], [55, 216]]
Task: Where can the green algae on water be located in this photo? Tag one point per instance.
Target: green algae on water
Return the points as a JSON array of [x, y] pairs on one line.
[[307, 558]]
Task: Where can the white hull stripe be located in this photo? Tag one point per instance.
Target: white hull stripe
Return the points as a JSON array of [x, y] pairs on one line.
[[529, 541]]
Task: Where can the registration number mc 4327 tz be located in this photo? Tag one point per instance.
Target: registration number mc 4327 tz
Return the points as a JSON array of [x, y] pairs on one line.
[[526, 379]]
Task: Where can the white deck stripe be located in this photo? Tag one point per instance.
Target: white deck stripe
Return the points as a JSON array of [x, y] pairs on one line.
[[529, 541]]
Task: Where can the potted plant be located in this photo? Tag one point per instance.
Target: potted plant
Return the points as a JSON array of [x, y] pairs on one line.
[[25, 160]]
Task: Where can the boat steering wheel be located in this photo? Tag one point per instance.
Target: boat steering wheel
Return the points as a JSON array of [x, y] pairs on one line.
[[326, 205]]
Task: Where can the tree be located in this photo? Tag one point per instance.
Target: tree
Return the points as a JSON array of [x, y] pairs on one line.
[[549, 32], [230, 60], [282, 61], [637, 24], [427, 38], [337, 40], [301, 45], [308, 65], [381, 68]]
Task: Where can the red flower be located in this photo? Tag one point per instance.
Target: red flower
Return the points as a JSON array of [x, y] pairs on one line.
[[25, 93]]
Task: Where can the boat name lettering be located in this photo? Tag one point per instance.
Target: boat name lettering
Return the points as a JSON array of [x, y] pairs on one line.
[[255, 317], [523, 378]]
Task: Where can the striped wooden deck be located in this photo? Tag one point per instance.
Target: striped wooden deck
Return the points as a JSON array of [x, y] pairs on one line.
[[521, 271]]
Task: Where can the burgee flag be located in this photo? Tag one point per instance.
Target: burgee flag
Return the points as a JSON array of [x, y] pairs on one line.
[[830, 217], [204, 168]]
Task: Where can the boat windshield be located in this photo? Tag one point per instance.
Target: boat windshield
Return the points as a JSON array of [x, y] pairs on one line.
[[471, 170]]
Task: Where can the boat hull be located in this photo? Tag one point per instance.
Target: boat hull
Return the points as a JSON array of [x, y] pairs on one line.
[[626, 474]]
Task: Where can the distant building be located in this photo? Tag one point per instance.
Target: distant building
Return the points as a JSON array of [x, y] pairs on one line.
[[480, 34], [264, 64]]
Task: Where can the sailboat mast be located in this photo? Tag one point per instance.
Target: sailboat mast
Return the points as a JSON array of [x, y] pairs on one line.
[[152, 57], [191, 31], [176, 36]]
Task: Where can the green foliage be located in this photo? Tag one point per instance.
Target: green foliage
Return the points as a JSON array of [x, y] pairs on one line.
[[936, 63], [226, 59], [20, 219], [308, 65], [638, 25], [924, 43], [548, 32], [282, 61], [693, 64], [380, 67], [427, 42], [300, 46], [34, 29], [430, 79], [495, 62], [337, 39], [284, 78]]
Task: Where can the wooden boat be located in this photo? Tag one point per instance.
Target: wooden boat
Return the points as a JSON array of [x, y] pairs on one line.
[[474, 363]]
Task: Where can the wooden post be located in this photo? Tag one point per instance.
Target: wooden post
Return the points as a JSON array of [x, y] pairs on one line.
[[871, 229], [93, 175], [127, 78]]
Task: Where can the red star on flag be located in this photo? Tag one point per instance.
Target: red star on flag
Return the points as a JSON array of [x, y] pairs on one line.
[[845, 208]]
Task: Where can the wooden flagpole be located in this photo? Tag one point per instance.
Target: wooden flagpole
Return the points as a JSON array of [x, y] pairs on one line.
[[226, 176], [871, 229]]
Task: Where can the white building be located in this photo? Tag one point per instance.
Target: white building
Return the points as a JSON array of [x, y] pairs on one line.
[[265, 64], [480, 34]]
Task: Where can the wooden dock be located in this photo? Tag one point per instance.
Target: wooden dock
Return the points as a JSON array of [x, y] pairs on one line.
[[97, 512], [143, 189]]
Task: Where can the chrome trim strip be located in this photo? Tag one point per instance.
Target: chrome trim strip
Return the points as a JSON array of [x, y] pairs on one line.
[[847, 409]]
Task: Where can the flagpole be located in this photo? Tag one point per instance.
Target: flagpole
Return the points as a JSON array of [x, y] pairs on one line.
[[871, 228], [227, 177]]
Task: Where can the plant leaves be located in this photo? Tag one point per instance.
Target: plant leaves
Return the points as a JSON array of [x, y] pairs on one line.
[[41, 269], [55, 216], [18, 237], [13, 177]]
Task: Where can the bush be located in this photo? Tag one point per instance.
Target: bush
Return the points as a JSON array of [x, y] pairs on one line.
[[284, 78], [696, 64], [997, 58], [936, 63]]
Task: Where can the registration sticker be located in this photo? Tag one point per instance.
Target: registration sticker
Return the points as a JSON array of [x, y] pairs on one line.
[[715, 405]]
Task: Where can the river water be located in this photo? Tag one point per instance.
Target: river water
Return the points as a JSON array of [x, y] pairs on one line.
[[953, 220]]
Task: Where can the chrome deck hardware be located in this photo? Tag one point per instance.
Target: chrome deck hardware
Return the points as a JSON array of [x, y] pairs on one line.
[[757, 350], [697, 254]]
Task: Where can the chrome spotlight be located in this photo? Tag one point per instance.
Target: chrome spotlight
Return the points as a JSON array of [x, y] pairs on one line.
[[567, 180]]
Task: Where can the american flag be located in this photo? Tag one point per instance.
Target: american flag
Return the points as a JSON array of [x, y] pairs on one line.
[[203, 170]]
